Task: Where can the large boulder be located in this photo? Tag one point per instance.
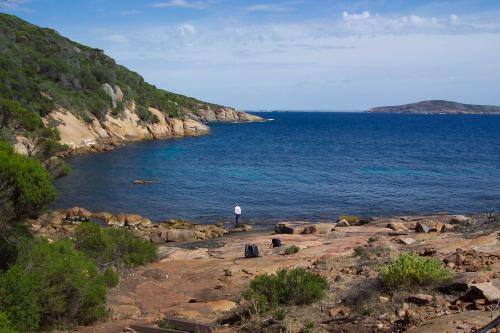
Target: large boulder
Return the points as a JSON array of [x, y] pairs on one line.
[[133, 220], [483, 290], [396, 226], [343, 223], [288, 228], [106, 87], [422, 227], [459, 219]]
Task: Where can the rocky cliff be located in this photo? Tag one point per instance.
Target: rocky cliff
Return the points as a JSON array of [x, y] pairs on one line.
[[49, 82]]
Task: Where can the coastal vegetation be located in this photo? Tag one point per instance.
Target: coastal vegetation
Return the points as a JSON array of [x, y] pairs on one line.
[[41, 71], [113, 246], [410, 270], [296, 286], [53, 285]]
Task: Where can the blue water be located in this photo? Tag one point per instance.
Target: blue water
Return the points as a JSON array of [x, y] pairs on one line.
[[300, 166]]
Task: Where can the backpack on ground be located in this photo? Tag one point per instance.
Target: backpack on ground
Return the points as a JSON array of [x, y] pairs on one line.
[[251, 251], [276, 242]]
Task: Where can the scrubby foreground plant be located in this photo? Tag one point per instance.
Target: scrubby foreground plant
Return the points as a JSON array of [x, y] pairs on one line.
[[113, 246], [52, 285], [295, 286], [410, 269]]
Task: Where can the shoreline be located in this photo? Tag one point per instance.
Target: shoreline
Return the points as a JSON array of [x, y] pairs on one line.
[[202, 281]]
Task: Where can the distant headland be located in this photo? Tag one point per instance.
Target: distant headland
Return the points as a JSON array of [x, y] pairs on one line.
[[438, 107]]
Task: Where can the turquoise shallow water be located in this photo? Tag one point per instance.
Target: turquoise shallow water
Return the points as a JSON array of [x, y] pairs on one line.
[[300, 165]]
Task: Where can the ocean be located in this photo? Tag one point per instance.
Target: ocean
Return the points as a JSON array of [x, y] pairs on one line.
[[299, 166]]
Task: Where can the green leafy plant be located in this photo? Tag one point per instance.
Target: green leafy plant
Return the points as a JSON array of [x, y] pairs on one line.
[[5, 325], [291, 250], [410, 269], [295, 286]]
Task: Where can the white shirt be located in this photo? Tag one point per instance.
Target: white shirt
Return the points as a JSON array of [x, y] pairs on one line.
[[237, 210]]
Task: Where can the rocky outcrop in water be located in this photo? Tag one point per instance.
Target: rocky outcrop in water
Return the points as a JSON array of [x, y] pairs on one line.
[[438, 107]]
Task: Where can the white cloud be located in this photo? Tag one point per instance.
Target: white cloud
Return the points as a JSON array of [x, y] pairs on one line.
[[115, 38], [181, 4], [186, 30], [269, 7], [129, 12], [364, 15]]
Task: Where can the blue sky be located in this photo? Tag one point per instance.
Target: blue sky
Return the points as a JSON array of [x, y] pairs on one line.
[[293, 54]]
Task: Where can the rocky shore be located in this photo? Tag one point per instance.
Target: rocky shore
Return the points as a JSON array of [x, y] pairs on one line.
[[202, 272], [58, 224]]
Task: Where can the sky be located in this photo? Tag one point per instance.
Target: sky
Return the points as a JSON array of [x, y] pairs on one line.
[[293, 54]]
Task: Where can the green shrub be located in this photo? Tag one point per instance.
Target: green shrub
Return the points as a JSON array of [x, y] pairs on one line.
[[5, 325], [410, 269], [352, 219], [113, 245], [279, 314], [309, 327], [19, 299], [295, 286], [370, 252], [52, 285], [292, 250], [28, 184], [110, 278]]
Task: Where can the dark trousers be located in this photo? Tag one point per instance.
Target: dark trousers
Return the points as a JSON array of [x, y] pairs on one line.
[[237, 219]]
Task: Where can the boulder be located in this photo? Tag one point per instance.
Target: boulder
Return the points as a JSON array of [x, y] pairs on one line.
[[459, 219], [448, 228], [342, 223], [438, 227], [407, 241], [145, 222], [105, 216], [84, 214], [324, 228], [421, 299], [421, 227], [180, 235], [72, 212], [396, 226], [483, 290], [288, 228], [133, 220]]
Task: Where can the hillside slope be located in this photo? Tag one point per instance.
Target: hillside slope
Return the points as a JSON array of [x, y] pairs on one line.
[[439, 106], [87, 96]]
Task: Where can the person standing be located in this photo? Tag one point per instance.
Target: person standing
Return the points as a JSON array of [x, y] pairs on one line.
[[237, 214]]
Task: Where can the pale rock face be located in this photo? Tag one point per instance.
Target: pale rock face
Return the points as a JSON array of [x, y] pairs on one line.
[[162, 129], [126, 127], [110, 92], [177, 126], [118, 93], [192, 127], [23, 145], [226, 115], [73, 131]]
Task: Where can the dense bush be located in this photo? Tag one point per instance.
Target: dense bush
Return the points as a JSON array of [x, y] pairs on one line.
[[5, 325], [296, 286], [25, 185], [52, 285], [410, 269], [115, 246]]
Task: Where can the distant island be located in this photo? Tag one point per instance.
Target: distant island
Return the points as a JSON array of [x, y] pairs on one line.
[[438, 107]]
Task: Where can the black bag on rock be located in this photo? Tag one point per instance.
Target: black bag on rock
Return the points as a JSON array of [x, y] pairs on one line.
[[276, 242], [251, 251]]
